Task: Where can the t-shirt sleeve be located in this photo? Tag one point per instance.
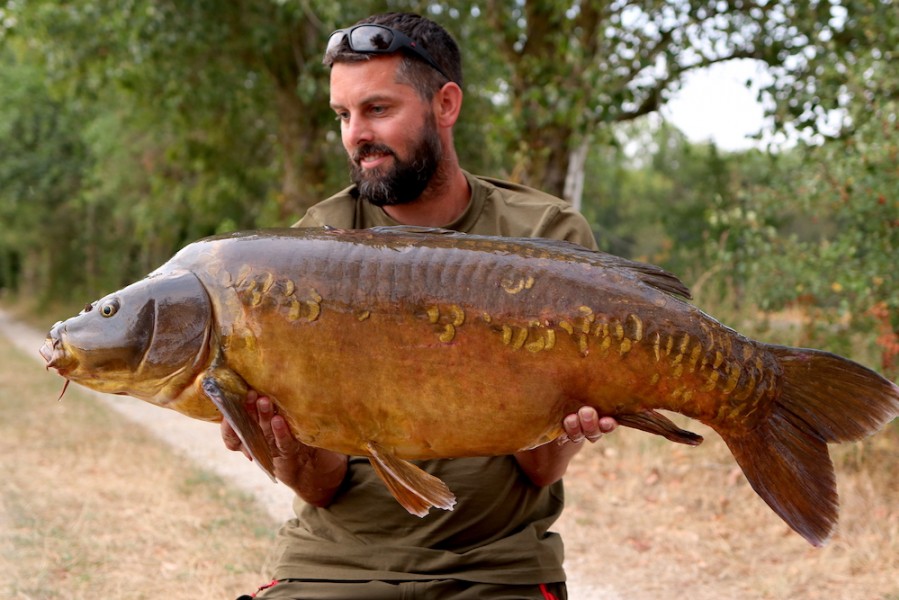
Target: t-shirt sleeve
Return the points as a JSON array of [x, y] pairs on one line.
[[308, 220], [569, 225], [337, 211]]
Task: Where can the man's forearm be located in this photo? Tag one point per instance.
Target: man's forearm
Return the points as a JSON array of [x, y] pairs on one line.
[[546, 464]]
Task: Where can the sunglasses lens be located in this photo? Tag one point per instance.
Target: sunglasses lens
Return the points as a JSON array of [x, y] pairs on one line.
[[371, 39], [335, 39], [379, 39]]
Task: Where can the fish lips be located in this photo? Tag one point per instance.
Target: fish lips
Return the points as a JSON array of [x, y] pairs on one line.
[[54, 353]]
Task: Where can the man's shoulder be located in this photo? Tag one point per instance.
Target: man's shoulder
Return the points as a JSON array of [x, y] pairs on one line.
[[518, 194], [515, 210], [338, 210]]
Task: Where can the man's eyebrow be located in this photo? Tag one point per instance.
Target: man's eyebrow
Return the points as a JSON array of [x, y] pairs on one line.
[[366, 101]]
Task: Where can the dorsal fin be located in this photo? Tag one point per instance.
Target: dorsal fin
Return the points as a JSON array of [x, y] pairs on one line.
[[416, 229]]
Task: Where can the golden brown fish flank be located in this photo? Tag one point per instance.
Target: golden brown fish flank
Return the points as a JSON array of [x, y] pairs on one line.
[[403, 343]]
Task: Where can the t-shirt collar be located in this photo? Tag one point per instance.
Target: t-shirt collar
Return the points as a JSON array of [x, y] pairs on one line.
[[464, 222]]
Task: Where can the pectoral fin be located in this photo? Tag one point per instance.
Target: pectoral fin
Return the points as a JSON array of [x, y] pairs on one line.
[[416, 490], [653, 422], [229, 392]]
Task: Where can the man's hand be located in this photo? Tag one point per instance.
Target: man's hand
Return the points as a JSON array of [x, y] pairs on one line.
[[585, 424], [313, 473], [546, 464]]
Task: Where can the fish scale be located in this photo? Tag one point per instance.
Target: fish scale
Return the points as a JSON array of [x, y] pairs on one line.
[[407, 343]]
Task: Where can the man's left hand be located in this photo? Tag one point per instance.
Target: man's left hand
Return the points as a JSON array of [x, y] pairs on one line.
[[585, 424]]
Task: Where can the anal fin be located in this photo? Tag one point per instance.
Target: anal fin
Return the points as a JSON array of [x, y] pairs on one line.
[[228, 392], [412, 487], [652, 422]]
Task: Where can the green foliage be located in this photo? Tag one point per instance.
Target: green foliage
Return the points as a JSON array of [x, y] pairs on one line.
[[813, 231], [654, 196], [840, 59], [129, 128], [563, 71], [185, 117], [843, 218], [42, 161]]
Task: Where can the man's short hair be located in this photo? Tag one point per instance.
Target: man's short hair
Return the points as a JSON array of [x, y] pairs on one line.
[[413, 70]]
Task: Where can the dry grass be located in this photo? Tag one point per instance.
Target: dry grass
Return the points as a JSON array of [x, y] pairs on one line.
[[92, 507], [650, 518]]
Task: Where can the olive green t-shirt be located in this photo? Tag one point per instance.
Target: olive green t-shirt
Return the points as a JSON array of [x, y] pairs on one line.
[[499, 530], [496, 208]]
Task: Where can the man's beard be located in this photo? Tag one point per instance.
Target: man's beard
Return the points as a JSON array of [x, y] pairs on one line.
[[406, 179]]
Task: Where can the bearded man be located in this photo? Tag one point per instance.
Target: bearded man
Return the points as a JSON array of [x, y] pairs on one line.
[[396, 88]]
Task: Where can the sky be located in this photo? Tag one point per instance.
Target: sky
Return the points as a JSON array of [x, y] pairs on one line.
[[714, 104]]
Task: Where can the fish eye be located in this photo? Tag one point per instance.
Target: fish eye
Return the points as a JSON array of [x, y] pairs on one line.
[[109, 308]]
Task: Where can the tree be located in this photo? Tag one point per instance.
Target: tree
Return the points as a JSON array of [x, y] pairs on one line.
[[836, 249], [253, 66], [575, 67], [837, 241], [41, 163], [184, 118], [186, 113]]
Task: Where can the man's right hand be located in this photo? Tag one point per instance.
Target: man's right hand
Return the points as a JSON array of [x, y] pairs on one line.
[[313, 473]]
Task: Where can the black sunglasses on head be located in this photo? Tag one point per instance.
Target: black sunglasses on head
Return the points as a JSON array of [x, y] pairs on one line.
[[379, 39]]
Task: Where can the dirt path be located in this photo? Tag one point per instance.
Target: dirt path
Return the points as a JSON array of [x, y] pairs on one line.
[[197, 440], [201, 443]]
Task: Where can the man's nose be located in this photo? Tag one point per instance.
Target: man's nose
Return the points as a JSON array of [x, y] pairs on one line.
[[357, 132]]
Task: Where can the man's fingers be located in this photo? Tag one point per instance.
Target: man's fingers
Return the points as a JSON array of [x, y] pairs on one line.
[[287, 444], [266, 412], [601, 427], [231, 439], [608, 424], [265, 408], [589, 422], [573, 431], [232, 442], [585, 424]]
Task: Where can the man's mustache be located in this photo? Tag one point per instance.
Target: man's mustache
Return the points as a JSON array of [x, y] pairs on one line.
[[369, 149]]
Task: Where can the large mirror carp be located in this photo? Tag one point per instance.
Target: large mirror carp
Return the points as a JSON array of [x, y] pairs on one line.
[[406, 343]]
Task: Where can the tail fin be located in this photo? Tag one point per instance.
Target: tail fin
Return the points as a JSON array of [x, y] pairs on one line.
[[824, 398]]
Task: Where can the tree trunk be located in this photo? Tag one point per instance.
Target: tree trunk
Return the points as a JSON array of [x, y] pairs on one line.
[[290, 59], [574, 179], [304, 166], [542, 162]]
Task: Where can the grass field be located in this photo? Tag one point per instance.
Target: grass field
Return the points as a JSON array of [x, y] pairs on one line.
[[91, 506], [655, 520]]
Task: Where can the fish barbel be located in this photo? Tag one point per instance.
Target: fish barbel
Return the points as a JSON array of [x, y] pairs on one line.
[[404, 343]]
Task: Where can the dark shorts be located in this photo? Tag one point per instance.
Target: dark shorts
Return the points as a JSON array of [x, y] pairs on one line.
[[445, 589]]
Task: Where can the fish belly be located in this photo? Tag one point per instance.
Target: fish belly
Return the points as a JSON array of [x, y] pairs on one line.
[[398, 384]]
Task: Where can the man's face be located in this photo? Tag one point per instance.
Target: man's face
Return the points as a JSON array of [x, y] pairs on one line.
[[387, 129]]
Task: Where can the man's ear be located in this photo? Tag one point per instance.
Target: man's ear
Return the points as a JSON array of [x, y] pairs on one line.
[[447, 105]]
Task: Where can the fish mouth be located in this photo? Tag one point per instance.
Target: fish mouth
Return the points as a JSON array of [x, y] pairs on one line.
[[54, 354], [47, 351]]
